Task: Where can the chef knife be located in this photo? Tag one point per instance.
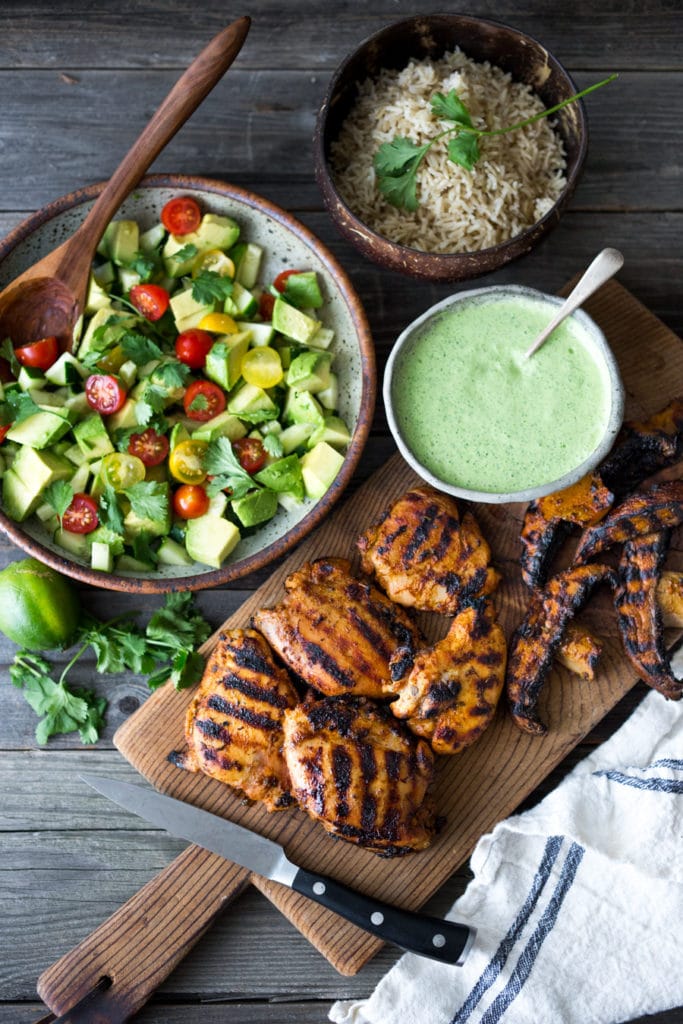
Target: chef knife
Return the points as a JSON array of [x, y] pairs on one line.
[[432, 937]]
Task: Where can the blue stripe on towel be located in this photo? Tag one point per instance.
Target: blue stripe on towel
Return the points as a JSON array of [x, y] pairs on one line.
[[496, 964], [667, 762], [654, 785], [543, 928]]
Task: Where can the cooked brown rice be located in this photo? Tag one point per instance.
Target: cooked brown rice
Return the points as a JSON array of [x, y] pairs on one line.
[[517, 180]]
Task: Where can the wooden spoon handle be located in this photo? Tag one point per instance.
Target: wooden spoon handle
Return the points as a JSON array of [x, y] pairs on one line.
[[184, 98], [139, 945]]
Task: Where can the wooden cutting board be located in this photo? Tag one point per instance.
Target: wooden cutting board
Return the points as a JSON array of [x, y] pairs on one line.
[[473, 790]]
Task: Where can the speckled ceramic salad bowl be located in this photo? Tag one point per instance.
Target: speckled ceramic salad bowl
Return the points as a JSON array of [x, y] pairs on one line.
[[287, 244]]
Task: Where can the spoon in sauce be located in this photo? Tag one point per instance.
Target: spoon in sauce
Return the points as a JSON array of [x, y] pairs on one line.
[[47, 299], [605, 265]]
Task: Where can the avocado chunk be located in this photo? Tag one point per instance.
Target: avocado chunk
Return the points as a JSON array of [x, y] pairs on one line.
[[303, 290], [252, 404], [96, 296], [283, 476], [254, 508], [309, 371], [214, 232], [247, 258], [187, 312], [293, 323], [38, 469], [334, 431], [210, 540], [302, 407], [126, 418], [120, 241], [224, 361], [92, 437], [295, 436], [41, 429], [223, 425], [77, 544], [19, 500], [319, 467]]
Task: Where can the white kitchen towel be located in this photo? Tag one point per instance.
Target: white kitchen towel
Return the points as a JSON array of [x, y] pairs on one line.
[[578, 902]]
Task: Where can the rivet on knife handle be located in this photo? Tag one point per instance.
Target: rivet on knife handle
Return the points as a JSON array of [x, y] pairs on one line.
[[433, 937]]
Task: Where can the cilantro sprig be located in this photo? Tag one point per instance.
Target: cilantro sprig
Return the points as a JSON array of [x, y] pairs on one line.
[[222, 464], [208, 286], [397, 162], [164, 650]]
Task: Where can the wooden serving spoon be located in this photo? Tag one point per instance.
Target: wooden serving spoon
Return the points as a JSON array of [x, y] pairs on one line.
[[48, 298]]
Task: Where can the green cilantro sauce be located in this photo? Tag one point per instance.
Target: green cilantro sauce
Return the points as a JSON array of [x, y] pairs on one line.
[[476, 414]]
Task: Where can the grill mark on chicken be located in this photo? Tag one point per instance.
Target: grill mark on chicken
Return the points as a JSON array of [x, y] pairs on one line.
[[354, 768], [231, 681], [247, 715], [339, 634], [234, 723], [426, 556]]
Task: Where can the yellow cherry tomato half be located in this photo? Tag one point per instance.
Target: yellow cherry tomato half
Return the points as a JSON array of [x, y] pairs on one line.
[[186, 462], [214, 260], [121, 471], [262, 367], [218, 323]]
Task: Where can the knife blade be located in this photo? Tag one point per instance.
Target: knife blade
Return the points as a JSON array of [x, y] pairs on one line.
[[433, 937]]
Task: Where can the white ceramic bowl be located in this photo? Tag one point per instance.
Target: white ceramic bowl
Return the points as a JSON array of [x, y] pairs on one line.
[[596, 341], [287, 243]]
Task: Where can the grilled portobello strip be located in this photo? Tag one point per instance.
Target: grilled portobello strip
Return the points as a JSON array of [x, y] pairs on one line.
[[657, 508], [638, 613], [644, 447], [549, 520], [537, 639]]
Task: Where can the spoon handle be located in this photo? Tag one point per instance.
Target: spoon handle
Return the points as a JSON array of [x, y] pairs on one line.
[[185, 96], [605, 265]]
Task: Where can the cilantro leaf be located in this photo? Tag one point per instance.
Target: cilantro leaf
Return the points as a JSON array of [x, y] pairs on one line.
[[152, 401], [142, 549], [187, 252], [139, 348], [177, 624], [62, 710], [450, 108], [144, 265], [7, 352], [464, 150], [21, 406], [396, 164], [221, 462], [199, 403], [208, 286], [59, 494], [148, 499], [273, 445], [110, 510], [172, 374]]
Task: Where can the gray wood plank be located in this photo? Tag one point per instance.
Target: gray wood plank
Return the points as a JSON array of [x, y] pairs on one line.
[[72, 36], [258, 126]]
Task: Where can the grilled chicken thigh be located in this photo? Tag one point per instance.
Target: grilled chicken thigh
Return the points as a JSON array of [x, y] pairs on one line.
[[426, 556], [453, 689], [342, 636], [234, 724], [357, 770]]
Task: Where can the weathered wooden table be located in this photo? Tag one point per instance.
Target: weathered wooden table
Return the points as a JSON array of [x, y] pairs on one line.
[[77, 82]]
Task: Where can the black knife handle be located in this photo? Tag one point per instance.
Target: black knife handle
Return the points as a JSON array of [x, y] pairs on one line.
[[418, 933]]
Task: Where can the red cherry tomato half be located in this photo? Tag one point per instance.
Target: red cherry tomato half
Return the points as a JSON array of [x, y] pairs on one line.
[[203, 400], [81, 515], [4, 431], [150, 299], [193, 346], [281, 279], [181, 215], [190, 501], [150, 447], [265, 305], [250, 453], [105, 393], [39, 354]]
